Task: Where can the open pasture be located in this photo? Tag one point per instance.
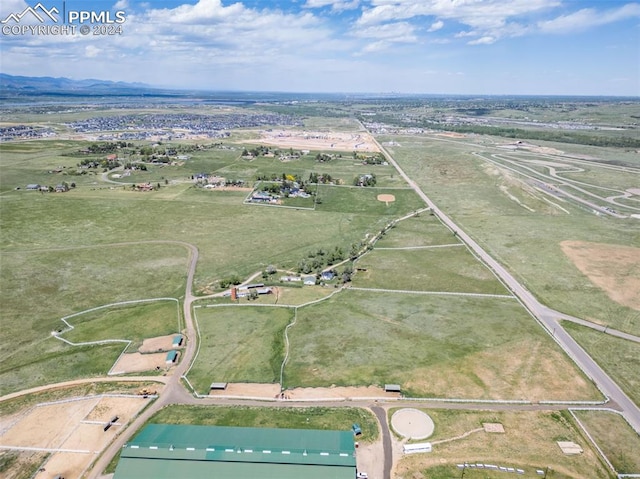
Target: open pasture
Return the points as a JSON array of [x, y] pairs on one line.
[[434, 346], [447, 269], [528, 443], [613, 435], [133, 322], [44, 162], [239, 344], [354, 199], [232, 238], [41, 286], [423, 230], [480, 197]]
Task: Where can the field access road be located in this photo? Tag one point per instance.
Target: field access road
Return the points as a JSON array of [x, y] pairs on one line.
[[173, 392], [381, 414], [546, 316]]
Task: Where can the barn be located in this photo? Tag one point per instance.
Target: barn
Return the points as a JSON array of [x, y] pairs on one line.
[[168, 451], [172, 357]]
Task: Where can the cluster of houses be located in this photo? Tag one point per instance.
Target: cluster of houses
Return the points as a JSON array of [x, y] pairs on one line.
[[24, 132], [143, 126], [209, 181], [287, 190], [61, 188]]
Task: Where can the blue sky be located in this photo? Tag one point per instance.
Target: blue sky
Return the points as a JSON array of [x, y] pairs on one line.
[[545, 47]]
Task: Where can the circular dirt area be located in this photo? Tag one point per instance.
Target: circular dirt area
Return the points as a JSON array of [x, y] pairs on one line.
[[412, 424], [386, 198]]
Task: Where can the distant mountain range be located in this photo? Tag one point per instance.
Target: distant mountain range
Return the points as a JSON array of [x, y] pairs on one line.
[[11, 85]]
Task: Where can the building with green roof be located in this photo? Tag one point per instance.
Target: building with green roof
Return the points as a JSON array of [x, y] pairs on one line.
[[169, 451]]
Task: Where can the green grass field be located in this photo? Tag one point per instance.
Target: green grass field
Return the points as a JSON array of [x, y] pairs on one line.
[[452, 269], [94, 245], [339, 419], [417, 231], [132, 322], [613, 435], [434, 346], [239, 344]]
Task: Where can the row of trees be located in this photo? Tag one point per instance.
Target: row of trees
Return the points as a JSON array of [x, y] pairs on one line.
[[103, 163], [324, 178], [108, 147], [320, 259]]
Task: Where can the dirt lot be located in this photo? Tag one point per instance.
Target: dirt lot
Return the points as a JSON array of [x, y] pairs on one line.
[[339, 393], [249, 390], [150, 356], [614, 268], [316, 140], [161, 343], [272, 391], [72, 430], [136, 362]]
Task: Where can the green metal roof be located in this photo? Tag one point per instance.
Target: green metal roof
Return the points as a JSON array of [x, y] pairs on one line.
[[129, 468], [172, 355], [167, 450], [243, 444]]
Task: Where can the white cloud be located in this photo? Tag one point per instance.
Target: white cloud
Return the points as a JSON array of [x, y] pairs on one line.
[[436, 26], [491, 20], [387, 36], [306, 46], [392, 32], [487, 40], [589, 17], [336, 6], [486, 18], [203, 12], [376, 47], [91, 51]]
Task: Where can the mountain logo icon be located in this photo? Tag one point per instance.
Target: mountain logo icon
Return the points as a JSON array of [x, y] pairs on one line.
[[39, 12]]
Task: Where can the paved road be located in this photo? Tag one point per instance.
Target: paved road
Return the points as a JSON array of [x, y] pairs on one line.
[[546, 316], [381, 414]]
